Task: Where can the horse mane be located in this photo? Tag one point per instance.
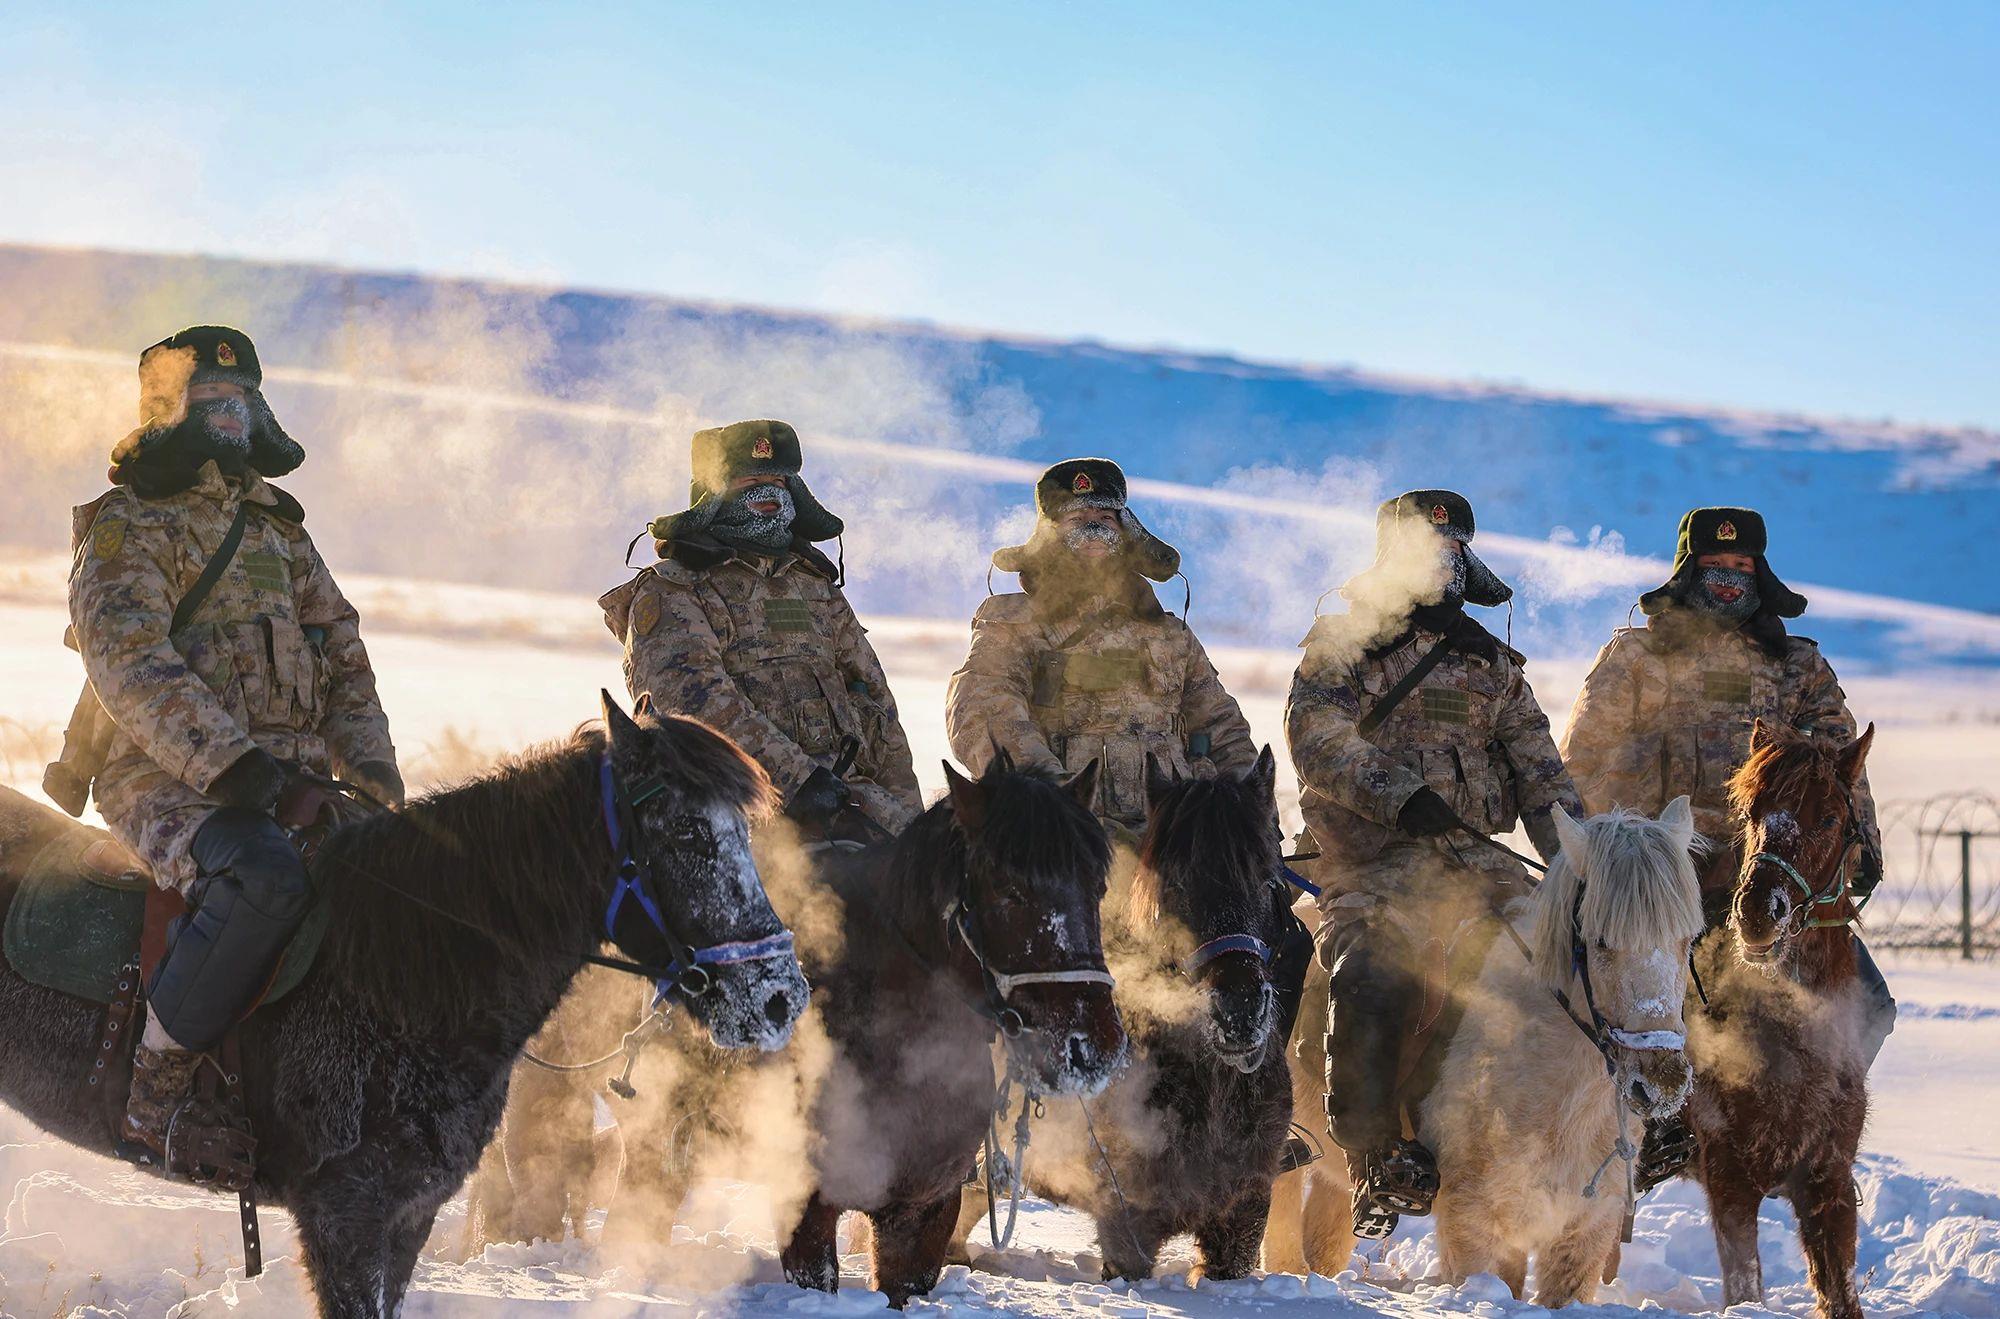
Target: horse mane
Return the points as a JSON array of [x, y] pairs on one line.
[[1643, 892], [516, 852], [1784, 764], [1034, 830], [1197, 828]]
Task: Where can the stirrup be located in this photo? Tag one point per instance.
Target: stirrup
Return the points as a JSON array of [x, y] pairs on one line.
[[1667, 1149], [1371, 1221], [1403, 1178], [1297, 1153], [210, 1145]]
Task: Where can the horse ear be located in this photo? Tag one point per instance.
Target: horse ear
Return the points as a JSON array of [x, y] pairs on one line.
[[1158, 782], [1679, 817], [619, 724], [1083, 786], [1003, 759], [1852, 756], [968, 799], [1760, 733], [1265, 773], [1569, 836], [644, 705]]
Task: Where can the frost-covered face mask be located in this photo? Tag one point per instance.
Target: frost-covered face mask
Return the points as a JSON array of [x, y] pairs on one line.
[[1093, 534], [223, 425], [1454, 574], [762, 529], [1725, 593]]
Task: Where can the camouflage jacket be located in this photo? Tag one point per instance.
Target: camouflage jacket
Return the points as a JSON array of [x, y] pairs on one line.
[[767, 651], [1667, 708], [1471, 731], [272, 659], [1058, 689]]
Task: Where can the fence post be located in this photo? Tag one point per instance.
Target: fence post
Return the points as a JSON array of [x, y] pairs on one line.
[[1965, 894]]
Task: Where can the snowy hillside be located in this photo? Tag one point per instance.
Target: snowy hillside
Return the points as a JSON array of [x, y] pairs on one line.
[[519, 436]]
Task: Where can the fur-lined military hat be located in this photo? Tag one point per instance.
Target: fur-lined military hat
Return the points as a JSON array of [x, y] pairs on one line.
[[722, 454], [167, 370], [1723, 531], [1092, 483], [1404, 528]]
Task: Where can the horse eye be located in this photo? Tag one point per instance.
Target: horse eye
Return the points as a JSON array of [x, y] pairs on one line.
[[689, 834]]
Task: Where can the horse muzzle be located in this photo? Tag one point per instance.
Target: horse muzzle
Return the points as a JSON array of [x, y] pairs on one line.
[[1653, 1072], [1242, 1014], [1072, 1041]]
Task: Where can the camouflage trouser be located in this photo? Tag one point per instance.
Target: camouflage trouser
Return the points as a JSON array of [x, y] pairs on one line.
[[156, 816]]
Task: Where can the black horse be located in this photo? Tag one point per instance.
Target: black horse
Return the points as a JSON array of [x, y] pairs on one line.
[[455, 927], [982, 919], [1189, 1138]]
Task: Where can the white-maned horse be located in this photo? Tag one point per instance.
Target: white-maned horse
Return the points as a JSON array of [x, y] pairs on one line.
[[1528, 1110]]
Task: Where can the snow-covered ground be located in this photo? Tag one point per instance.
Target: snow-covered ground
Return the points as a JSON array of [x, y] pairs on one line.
[[83, 1235], [468, 671]]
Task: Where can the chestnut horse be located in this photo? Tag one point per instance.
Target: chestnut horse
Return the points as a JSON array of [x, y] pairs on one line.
[[1780, 1069]]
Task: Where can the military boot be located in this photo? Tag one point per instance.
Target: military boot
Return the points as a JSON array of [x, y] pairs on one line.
[[207, 1143]]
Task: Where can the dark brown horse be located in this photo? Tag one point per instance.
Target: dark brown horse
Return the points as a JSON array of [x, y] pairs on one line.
[[982, 919], [1188, 1138], [454, 929], [1780, 1071]]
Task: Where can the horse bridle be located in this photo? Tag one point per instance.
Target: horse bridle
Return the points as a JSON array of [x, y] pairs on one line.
[[999, 986], [687, 967], [1249, 943], [1835, 887], [1602, 1035]]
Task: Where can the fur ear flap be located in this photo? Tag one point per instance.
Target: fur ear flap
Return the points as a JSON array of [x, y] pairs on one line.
[[1570, 835], [1679, 817], [619, 724], [1083, 786], [968, 799], [1159, 782], [1854, 754]]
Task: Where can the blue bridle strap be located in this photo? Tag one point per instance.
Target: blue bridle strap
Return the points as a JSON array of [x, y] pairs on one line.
[[1228, 943], [631, 881], [1298, 881]]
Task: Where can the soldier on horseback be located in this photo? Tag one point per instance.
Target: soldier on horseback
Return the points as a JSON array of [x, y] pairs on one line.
[[1667, 711], [223, 655], [741, 623], [1083, 664], [1416, 739]]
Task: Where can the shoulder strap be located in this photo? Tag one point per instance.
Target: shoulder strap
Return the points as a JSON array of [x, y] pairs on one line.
[[1394, 696], [1097, 619], [191, 603]]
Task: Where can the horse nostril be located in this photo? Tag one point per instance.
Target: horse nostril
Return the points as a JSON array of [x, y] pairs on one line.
[[1081, 1055], [1641, 1092], [778, 1009]]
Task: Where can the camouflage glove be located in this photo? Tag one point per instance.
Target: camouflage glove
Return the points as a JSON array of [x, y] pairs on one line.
[[1426, 815], [252, 783], [381, 780]]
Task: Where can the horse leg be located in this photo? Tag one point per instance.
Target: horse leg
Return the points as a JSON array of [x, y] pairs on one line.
[[1228, 1241], [1569, 1268], [406, 1242], [972, 1202], [1328, 1219], [1466, 1244], [1130, 1240], [345, 1245], [1513, 1270], [1733, 1201], [910, 1242], [1284, 1229], [811, 1256], [1823, 1199]]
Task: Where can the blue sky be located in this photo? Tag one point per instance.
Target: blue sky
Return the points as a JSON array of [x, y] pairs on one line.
[[1772, 205]]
